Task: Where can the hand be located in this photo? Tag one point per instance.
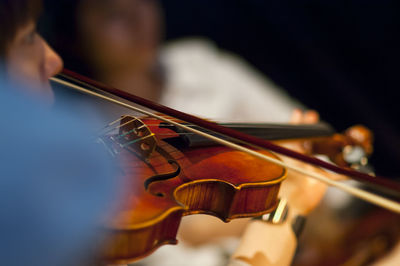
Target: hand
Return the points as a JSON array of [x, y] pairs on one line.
[[303, 193]]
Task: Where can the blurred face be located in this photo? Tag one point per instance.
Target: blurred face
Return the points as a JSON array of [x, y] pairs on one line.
[[120, 34], [30, 62]]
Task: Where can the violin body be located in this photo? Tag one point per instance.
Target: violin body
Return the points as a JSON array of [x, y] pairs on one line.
[[168, 181]]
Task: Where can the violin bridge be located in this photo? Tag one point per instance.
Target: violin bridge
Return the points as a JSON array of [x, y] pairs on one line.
[[136, 136]]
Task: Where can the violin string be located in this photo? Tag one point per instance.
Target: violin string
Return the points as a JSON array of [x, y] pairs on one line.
[[124, 145], [107, 128], [128, 132], [115, 139], [136, 140], [134, 130], [153, 156], [117, 127], [113, 122], [367, 196], [125, 134]]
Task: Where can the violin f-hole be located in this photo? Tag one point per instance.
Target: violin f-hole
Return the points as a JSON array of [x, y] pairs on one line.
[[162, 177]]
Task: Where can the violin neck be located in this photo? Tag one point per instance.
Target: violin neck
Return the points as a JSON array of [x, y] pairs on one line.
[[264, 131]]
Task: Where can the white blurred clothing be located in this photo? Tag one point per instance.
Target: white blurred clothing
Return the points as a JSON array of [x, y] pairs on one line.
[[204, 81]]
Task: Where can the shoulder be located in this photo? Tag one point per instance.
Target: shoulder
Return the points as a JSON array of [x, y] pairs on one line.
[[197, 67]]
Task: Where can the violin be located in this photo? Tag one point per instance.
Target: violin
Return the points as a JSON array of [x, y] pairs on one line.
[[171, 180], [231, 177]]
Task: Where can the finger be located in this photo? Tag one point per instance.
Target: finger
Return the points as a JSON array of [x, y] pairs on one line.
[[297, 116], [310, 117]]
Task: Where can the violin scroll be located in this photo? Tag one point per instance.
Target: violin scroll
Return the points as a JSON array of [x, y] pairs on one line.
[[351, 148]]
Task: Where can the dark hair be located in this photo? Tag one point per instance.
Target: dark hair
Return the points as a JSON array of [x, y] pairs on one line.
[[14, 14]]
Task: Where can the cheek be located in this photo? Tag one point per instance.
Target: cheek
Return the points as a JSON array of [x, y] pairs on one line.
[[25, 64], [25, 67], [23, 72], [150, 25]]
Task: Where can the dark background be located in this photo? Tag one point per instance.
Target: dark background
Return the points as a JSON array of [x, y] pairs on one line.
[[339, 57]]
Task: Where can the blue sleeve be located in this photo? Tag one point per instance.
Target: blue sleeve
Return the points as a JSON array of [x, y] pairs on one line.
[[56, 185]]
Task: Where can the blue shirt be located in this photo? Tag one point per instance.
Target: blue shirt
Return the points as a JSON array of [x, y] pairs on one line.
[[56, 184]]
